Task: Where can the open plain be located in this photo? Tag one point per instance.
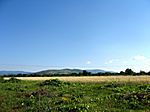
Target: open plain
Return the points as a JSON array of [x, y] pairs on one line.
[[91, 78]]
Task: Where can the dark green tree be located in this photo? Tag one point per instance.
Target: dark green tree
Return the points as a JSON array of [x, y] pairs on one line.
[[142, 72], [129, 72], [122, 73], [148, 73], [85, 73]]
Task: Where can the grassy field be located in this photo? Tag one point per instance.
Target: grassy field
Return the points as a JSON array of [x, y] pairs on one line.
[[92, 78], [105, 94]]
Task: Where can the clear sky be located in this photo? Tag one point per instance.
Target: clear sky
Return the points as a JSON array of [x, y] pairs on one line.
[[105, 34]]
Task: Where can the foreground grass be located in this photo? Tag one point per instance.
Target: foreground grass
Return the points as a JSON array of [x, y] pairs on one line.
[[59, 96]]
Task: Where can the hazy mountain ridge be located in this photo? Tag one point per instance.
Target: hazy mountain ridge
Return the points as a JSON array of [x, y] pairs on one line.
[[69, 71], [13, 72], [54, 71], [98, 71], [60, 71]]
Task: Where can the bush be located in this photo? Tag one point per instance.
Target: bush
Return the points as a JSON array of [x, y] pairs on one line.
[[13, 80], [1, 79], [74, 108], [53, 82]]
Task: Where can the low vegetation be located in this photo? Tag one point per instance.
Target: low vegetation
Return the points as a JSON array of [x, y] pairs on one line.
[[60, 96]]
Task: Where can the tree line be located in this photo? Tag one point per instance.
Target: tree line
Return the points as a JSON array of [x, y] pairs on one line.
[[84, 73]]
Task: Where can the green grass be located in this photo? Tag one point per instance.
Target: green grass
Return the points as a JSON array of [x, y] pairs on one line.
[[59, 96]]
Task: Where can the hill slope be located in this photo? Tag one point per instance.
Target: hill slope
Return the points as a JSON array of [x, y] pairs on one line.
[[69, 71], [60, 71], [13, 72]]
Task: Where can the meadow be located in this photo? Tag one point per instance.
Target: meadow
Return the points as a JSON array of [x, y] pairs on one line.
[[143, 78], [74, 94]]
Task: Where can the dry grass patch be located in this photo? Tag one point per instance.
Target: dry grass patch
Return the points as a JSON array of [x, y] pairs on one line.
[[92, 78]]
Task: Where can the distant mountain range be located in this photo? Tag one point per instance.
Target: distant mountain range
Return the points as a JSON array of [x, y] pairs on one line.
[[13, 72], [54, 71], [60, 71], [98, 71], [69, 71]]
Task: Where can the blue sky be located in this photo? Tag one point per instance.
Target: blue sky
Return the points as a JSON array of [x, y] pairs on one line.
[[105, 34]]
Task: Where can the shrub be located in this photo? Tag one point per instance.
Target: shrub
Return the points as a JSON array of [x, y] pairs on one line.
[[13, 80], [1, 79], [74, 108], [53, 82]]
